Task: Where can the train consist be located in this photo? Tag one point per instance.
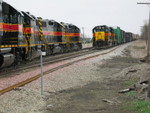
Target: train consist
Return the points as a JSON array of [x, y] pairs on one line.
[[104, 36], [23, 35]]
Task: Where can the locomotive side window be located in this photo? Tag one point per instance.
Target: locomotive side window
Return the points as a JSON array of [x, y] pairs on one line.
[[51, 23], [1, 12], [5, 18], [44, 24], [13, 18]]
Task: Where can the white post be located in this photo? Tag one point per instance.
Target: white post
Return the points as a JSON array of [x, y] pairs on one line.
[[41, 61]]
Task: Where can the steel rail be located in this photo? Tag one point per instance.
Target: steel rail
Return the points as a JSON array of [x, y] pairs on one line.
[[47, 59], [50, 71]]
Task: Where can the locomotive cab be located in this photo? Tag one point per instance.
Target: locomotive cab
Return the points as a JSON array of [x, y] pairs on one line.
[[11, 36], [101, 36]]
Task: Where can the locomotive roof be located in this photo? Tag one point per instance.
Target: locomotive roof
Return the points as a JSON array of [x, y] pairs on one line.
[[53, 21], [100, 26], [67, 25], [13, 8], [27, 14]]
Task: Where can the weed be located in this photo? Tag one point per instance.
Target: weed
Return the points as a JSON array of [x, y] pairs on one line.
[[131, 93], [139, 47], [140, 106], [129, 83]]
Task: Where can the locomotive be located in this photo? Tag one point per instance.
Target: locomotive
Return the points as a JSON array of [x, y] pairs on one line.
[[104, 36], [22, 34]]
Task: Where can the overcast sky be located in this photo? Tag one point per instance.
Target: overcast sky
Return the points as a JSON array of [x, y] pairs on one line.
[[89, 13]]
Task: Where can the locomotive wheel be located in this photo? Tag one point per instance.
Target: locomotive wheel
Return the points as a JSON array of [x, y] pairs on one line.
[[49, 51], [62, 49]]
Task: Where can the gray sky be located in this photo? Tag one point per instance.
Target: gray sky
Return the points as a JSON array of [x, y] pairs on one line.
[[89, 13]]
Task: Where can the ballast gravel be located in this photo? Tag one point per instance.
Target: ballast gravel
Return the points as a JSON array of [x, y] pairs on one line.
[[27, 99]]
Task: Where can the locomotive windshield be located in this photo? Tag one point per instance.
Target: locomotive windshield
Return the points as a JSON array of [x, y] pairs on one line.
[[101, 29]]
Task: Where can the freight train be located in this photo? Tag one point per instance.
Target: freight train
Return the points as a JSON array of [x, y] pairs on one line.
[[105, 36], [23, 35]]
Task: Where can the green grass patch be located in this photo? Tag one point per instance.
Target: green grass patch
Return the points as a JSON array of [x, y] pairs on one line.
[[131, 93], [140, 106], [129, 83], [139, 47]]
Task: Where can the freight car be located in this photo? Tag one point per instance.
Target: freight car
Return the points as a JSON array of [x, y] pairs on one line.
[[118, 34], [128, 36], [104, 36], [22, 34]]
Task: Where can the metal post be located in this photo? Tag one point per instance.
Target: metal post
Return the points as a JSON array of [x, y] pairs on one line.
[[148, 43], [41, 59]]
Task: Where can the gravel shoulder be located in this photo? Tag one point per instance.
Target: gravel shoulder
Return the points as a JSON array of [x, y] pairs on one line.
[[83, 87]]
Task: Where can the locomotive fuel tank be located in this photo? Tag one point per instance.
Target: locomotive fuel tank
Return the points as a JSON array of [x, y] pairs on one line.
[[57, 49], [6, 58], [75, 47]]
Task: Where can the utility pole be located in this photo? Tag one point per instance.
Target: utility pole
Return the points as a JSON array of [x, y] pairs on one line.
[[83, 33], [148, 43]]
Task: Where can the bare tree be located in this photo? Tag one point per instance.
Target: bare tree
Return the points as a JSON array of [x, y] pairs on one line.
[[145, 36], [144, 32]]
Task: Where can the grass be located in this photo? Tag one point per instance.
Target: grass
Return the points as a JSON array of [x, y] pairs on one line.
[[137, 106], [140, 106], [129, 82], [139, 47], [131, 93]]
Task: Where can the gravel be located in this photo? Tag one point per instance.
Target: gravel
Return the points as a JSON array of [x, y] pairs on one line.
[[27, 99]]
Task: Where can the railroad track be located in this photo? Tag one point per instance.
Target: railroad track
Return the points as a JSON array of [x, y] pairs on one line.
[[47, 60], [56, 68]]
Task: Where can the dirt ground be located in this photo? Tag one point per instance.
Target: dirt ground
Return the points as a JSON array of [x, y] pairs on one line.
[[102, 96], [89, 98], [90, 86]]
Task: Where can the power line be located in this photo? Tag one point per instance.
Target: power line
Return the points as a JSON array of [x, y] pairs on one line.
[[143, 3]]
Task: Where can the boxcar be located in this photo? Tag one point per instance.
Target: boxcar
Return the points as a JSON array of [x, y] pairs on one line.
[[118, 35]]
